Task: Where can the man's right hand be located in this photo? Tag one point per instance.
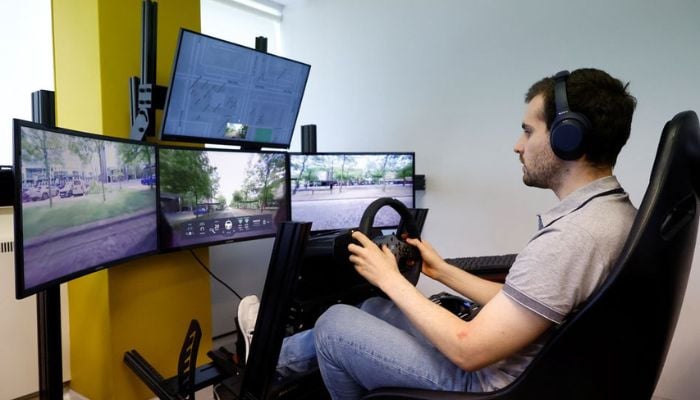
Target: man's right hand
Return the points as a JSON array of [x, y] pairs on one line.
[[432, 262]]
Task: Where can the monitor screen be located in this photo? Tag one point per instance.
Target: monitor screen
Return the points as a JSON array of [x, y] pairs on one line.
[[332, 190], [211, 196], [82, 202], [222, 92]]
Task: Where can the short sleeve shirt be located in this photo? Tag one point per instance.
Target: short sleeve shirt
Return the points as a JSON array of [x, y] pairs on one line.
[[571, 254]]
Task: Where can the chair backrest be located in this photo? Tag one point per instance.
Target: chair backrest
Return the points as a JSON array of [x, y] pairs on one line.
[[614, 347]]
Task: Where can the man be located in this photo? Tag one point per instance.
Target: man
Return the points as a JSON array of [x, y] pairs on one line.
[[408, 341]]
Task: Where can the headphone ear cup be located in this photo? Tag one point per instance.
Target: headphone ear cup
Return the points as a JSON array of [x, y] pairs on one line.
[[567, 134]]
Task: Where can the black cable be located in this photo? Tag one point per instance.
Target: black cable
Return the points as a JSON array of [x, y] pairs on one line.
[[214, 276]]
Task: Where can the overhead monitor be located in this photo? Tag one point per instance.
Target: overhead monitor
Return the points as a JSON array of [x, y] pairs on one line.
[[225, 93], [83, 202], [212, 196], [332, 190]]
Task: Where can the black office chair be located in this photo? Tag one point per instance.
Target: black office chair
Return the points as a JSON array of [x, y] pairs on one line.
[[614, 347]]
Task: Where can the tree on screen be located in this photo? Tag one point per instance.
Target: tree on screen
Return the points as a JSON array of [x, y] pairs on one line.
[[137, 156], [188, 174], [299, 166], [45, 148], [264, 177], [305, 170], [86, 149], [346, 173]]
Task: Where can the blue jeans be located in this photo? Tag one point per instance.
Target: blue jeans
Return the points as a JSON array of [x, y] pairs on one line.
[[360, 349]]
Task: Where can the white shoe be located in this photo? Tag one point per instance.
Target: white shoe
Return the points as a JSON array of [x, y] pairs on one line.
[[247, 315]]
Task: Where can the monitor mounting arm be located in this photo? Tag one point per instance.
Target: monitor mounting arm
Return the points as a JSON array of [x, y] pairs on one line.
[[144, 94]]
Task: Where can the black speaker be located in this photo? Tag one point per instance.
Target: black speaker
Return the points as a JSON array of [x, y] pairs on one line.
[[7, 186], [308, 138], [44, 107], [568, 130], [261, 44]]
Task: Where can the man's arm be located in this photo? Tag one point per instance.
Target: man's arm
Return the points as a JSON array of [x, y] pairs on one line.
[[500, 329]]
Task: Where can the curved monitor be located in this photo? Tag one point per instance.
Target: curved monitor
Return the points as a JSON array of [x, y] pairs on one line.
[[332, 190], [212, 196], [222, 92], [83, 202]]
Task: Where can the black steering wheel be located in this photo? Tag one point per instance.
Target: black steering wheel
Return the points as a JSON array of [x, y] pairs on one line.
[[407, 257]]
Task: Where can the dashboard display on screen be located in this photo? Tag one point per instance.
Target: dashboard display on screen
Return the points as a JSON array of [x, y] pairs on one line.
[[82, 202], [222, 92], [332, 190], [211, 196]]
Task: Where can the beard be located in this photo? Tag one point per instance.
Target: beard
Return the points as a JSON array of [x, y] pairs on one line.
[[543, 171]]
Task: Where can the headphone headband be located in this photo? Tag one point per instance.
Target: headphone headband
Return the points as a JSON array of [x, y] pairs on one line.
[[568, 130], [561, 102]]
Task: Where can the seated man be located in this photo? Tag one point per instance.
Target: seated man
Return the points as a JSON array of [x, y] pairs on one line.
[[408, 341]]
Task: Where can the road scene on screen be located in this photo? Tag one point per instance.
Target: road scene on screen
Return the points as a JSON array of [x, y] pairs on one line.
[[85, 202], [213, 196], [333, 191]]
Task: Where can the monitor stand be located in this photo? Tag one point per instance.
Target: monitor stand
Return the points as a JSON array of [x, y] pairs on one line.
[[48, 301], [258, 376]]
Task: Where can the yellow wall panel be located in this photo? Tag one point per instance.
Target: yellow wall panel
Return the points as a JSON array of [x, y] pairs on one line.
[[77, 65], [145, 304]]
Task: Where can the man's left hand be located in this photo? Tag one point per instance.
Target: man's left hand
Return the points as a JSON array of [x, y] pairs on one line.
[[377, 265]]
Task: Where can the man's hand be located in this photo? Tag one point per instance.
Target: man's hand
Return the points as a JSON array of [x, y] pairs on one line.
[[432, 262], [376, 265]]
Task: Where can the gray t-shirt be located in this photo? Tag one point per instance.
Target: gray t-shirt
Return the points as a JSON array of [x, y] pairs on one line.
[[569, 257]]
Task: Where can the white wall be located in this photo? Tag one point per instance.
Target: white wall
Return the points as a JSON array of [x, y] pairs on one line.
[[27, 63], [447, 79], [237, 23]]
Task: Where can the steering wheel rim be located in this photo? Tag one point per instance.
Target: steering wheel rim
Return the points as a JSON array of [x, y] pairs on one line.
[[407, 256]]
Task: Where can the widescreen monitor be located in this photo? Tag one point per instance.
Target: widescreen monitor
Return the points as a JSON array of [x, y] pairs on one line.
[[222, 92], [82, 202], [212, 196], [332, 190]]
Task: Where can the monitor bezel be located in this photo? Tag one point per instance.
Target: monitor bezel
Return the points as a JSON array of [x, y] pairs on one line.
[[244, 144], [21, 291], [351, 153], [162, 224]]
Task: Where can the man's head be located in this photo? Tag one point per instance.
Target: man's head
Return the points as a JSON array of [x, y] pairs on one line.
[[605, 103]]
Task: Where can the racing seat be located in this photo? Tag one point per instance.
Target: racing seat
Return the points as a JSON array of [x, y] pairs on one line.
[[615, 345]]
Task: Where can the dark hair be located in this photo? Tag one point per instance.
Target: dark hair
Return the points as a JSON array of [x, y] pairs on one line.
[[606, 103]]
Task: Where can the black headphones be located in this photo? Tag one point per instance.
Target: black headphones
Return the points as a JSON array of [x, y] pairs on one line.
[[568, 129]]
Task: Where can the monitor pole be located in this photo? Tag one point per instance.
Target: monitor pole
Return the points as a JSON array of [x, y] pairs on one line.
[[48, 302], [144, 94]]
